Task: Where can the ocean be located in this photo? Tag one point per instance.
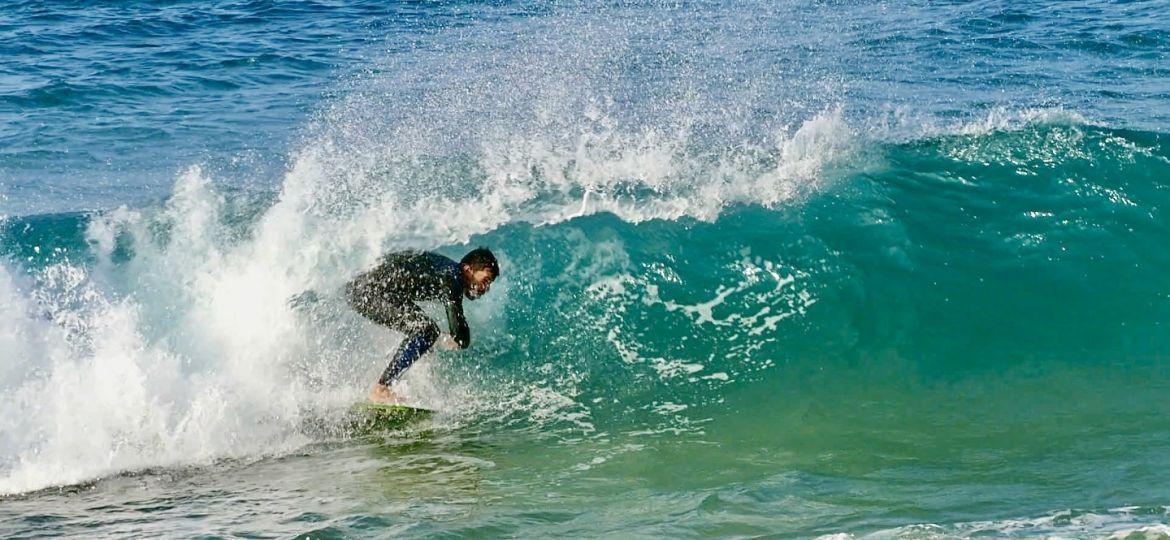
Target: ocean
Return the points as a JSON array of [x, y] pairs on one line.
[[833, 269]]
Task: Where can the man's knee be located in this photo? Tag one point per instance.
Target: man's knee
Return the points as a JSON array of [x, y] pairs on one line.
[[414, 322], [429, 332]]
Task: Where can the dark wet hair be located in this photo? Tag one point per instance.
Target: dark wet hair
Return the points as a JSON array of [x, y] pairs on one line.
[[482, 257]]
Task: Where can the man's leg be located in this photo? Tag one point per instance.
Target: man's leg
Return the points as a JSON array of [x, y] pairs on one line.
[[421, 333]]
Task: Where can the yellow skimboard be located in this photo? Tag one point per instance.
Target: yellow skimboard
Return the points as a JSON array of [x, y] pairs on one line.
[[368, 417]]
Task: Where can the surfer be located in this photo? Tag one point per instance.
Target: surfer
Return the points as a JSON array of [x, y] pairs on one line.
[[386, 294]]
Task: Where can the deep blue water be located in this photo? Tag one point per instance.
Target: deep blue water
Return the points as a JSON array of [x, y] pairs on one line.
[[842, 269]]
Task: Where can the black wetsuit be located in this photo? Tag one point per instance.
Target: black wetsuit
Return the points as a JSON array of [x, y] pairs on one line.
[[386, 294]]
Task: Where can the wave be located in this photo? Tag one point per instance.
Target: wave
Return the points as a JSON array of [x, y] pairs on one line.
[[647, 276]]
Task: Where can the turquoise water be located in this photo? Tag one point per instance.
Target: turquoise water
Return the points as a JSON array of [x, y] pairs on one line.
[[843, 270]]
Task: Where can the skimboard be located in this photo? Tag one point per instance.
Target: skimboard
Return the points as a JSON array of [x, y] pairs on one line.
[[369, 417]]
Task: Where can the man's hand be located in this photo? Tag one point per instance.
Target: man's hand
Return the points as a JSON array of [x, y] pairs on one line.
[[447, 342]]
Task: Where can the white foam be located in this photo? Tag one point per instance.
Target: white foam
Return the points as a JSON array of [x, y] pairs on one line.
[[1006, 119], [185, 353], [786, 303], [1117, 523]]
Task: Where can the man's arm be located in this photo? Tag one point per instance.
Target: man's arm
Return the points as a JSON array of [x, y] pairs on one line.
[[457, 323]]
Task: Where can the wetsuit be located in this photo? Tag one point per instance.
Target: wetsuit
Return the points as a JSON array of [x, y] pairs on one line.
[[386, 294]]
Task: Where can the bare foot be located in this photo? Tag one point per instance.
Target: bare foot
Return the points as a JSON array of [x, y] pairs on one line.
[[383, 394], [447, 342]]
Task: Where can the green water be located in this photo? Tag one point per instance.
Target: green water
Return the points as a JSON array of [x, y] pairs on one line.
[[952, 337]]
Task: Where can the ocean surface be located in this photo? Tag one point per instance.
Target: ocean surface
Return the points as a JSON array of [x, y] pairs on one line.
[[828, 269]]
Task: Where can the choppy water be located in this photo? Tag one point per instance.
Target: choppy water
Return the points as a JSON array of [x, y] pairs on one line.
[[845, 269]]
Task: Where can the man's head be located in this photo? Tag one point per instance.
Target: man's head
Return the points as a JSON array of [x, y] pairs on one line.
[[480, 269]]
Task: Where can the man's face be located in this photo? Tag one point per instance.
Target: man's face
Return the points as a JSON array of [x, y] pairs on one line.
[[478, 281]]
